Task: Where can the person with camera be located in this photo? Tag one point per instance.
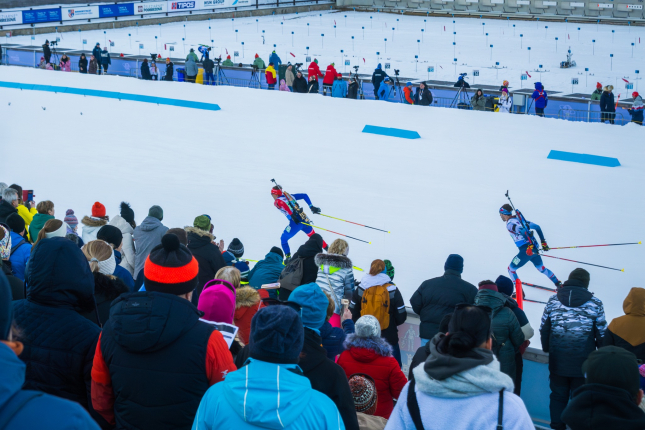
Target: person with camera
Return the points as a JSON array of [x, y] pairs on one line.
[[47, 52], [423, 96], [209, 66], [461, 82], [258, 62], [377, 78], [97, 54], [271, 76], [299, 83]]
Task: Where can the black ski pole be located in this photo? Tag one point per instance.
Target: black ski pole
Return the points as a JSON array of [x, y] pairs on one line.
[[535, 301], [580, 262], [529, 109], [539, 287]]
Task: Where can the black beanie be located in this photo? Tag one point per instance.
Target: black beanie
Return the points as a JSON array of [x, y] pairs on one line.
[[278, 251], [170, 268], [16, 223], [127, 213], [613, 366], [111, 235], [580, 275], [236, 248], [317, 239], [277, 335]]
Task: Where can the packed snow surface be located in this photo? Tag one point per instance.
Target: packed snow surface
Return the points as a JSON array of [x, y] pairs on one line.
[[437, 195], [510, 41]]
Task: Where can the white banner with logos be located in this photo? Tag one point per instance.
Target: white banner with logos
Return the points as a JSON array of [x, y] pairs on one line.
[[187, 5], [605, 6], [150, 7], [8, 18], [80, 12]]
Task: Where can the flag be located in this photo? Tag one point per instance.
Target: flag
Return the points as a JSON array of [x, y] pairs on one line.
[[226, 51], [292, 54], [528, 74], [363, 60], [625, 80]]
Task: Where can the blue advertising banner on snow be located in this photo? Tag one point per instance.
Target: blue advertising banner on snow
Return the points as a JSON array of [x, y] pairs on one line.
[[112, 10], [41, 15]]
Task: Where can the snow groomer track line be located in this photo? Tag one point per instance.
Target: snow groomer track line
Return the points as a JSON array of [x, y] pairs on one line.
[[112, 95]]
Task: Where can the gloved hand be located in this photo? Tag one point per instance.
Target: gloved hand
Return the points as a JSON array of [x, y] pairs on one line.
[[529, 250], [545, 247], [314, 209]]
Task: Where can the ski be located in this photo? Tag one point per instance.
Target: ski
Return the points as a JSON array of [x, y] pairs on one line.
[[539, 287], [535, 301]]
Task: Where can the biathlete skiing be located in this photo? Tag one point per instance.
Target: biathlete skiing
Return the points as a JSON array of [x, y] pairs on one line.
[[287, 204], [525, 241]]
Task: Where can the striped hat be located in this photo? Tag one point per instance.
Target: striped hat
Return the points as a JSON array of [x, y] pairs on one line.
[[170, 268], [364, 393], [70, 219]]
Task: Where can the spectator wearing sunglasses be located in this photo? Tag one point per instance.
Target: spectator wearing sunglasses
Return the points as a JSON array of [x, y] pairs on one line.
[[461, 378]]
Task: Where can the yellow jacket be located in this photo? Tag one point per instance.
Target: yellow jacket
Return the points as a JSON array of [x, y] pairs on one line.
[[27, 215]]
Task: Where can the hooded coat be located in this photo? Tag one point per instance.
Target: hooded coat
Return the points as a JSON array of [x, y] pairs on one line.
[[314, 70], [156, 355], [247, 304], [423, 97], [210, 260], [540, 96], [478, 102], [373, 357], [269, 396], [259, 63], [170, 69], [313, 87], [607, 103], [598, 406], [573, 324], [330, 75], [327, 377], [127, 246], [42, 411], [145, 71], [628, 331], [339, 89], [93, 67], [19, 255], [6, 209], [65, 64], [146, 236], [59, 341], [91, 227], [308, 251], [106, 290], [378, 76], [438, 297], [335, 276], [507, 335], [299, 84], [266, 271], [275, 59], [82, 65], [191, 67], [37, 224]]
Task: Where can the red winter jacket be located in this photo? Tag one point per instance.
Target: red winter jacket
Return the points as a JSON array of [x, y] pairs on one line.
[[330, 75], [314, 70], [373, 357]]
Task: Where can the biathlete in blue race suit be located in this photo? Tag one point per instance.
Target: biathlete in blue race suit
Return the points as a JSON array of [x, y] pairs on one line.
[[526, 250], [295, 223]]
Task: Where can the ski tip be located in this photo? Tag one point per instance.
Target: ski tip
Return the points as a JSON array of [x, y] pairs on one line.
[[622, 270], [369, 243], [391, 232], [640, 243]]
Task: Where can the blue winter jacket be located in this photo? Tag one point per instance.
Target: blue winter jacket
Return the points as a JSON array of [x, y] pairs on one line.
[[59, 341], [383, 92], [273, 58], [339, 89], [540, 96], [334, 337], [122, 273], [41, 412], [266, 271], [269, 396], [20, 256]]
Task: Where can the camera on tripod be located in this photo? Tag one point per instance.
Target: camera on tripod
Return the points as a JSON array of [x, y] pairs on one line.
[[463, 75], [154, 57], [396, 72], [355, 69], [218, 60], [53, 43], [297, 66]]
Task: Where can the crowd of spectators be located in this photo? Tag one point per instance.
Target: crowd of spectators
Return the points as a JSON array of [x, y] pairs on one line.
[[138, 325]]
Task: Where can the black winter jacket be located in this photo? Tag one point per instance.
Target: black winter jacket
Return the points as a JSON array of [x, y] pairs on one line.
[[17, 286], [607, 103], [378, 76], [97, 53], [352, 90], [59, 341], [423, 98], [6, 209], [47, 52], [208, 257], [299, 85], [106, 289], [170, 68], [145, 71], [208, 65], [327, 377], [313, 87], [438, 297], [82, 65]]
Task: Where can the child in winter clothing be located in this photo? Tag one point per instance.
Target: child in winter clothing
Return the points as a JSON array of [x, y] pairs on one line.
[[636, 110], [283, 86], [65, 64], [541, 99], [505, 101], [233, 257], [42, 64]]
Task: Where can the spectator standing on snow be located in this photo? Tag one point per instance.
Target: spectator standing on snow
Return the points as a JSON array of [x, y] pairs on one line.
[[540, 98], [93, 68], [17, 286], [597, 92], [170, 69], [313, 86], [377, 78], [478, 101], [145, 70], [299, 84], [191, 68], [408, 98], [461, 378], [352, 90], [283, 86], [154, 72], [125, 223], [92, 224], [328, 80], [383, 92], [636, 111], [271, 76], [339, 89], [82, 64], [258, 62], [113, 237], [208, 255], [209, 67], [65, 64], [192, 56], [423, 96], [314, 70], [607, 105], [47, 52], [505, 102], [573, 325], [627, 331], [97, 54], [146, 236], [289, 78], [141, 364], [275, 59], [438, 297], [105, 59]]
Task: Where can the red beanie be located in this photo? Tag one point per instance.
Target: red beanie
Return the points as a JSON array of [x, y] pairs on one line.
[[257, 56], [598, 85], [98, 210], [228, 57], [487, 286]]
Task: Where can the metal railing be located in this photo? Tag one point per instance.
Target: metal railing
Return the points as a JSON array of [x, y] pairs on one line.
[[591, 116]]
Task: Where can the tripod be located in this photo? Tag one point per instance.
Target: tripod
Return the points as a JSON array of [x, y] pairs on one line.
[[396, 84], [55, 57], [360, 94], [255, 78], [220, 78], [458, 98]]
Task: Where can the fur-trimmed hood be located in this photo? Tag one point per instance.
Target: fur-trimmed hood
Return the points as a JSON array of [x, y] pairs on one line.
[[108, 287], [246, 297], [377, 345], [333, 260], [93, 222], [199, 232]]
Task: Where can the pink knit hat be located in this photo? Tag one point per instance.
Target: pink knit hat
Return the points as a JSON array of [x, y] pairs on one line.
[[217, 301]]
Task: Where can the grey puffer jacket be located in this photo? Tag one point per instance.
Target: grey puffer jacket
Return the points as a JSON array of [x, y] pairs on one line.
[[507, 334], [191, 67], [479, 103], [146, 236], [335, 271]]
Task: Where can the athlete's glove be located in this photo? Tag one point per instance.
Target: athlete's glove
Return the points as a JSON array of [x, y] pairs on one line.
[[314, 209], [529, 250], [545, 247]]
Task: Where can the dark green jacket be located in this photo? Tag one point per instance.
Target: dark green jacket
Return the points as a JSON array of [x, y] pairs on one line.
[[37, 224], [596, 94], [507, 334], [478, 103]]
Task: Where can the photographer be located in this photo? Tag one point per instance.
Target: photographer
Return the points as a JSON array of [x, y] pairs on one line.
[[97, 54], [423, 96], [299, 83], [461, 82], [258, 62], [47, 53], [209, 65], [352, 90], [377, 78]]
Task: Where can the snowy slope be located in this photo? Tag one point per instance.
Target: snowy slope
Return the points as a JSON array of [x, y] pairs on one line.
[[437, 195], [472, 48]]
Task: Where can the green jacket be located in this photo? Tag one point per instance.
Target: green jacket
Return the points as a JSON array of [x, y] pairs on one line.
[[596, 94], [228, 63], [259, 63], [193, 56], [37, 224], [507, 334], [478, 104]]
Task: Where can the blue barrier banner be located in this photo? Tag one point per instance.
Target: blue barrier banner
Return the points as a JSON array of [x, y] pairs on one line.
[[41, 15], [596, 160], [394, 132], [112, 10]]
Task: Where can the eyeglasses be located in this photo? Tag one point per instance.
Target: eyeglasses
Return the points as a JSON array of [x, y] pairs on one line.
[[275, 302]]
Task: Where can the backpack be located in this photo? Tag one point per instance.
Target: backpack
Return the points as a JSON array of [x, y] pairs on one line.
[[291, 276], [376, 302]]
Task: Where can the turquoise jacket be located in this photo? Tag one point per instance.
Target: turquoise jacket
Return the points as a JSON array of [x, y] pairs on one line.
[[339, 89], [269, 396]]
